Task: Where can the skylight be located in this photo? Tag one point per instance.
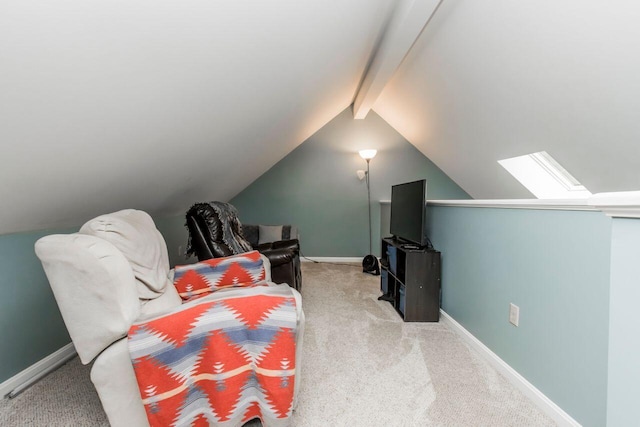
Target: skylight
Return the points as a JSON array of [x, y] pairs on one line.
[[544, 177]]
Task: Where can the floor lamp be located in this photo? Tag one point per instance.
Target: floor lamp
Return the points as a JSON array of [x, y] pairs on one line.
[[370, 262]]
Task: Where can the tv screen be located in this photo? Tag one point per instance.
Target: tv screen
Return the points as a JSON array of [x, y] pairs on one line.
[[408, 202]]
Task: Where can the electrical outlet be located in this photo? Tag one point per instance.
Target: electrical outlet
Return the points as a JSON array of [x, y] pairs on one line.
[[514, 314]]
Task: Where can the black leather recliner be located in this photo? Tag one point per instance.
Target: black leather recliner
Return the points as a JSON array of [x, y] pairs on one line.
[[289, 240], [215, 231]]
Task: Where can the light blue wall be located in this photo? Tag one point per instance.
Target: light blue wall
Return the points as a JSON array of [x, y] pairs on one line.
[[555, 266], [315, 186], [31, 326], [175, 236], [623, 406]]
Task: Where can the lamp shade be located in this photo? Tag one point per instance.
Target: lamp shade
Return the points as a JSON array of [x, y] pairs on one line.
[[368, 154]]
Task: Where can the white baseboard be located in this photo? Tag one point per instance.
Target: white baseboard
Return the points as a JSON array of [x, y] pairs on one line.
[[528, 389], [331, 259], [57, 358]]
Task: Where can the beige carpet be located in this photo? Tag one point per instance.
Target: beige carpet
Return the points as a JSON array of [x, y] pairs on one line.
[[362, 366]]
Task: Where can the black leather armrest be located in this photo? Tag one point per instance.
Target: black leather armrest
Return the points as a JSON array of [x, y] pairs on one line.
[[263, 247], [278, 256], [292, 244]]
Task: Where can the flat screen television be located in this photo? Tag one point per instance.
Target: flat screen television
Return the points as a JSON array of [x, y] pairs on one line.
[[408, 202]]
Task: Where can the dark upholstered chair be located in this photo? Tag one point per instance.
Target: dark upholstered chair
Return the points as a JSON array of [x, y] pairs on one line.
[[265, 238], [215, 231]]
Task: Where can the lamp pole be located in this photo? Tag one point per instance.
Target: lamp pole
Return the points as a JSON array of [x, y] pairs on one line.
[[369, 203], [370, 262]]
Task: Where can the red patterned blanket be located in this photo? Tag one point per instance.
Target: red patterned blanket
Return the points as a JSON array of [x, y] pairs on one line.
[[220, 360]]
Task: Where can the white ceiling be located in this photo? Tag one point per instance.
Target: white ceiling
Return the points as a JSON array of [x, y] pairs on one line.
[[489, 80], [111, 104], [155, 104]]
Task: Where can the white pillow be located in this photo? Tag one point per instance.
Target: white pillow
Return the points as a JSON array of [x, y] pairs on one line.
[[269, 233], [136, 236]]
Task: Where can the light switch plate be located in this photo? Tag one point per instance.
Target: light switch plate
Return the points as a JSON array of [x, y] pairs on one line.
[[514, 314]]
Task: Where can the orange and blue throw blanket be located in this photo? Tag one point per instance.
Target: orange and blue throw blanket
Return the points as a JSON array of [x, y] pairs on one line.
[[220, 360], [202, 278]]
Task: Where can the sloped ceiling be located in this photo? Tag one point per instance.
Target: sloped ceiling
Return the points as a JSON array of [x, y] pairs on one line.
[[488, 80], [112, 104], [156, 104]]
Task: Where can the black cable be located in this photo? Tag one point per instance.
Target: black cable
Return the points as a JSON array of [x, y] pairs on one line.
[[430, 245], [309, 259]]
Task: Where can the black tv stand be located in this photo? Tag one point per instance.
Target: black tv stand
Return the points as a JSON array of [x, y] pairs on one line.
[[410, 246], [410, 280]]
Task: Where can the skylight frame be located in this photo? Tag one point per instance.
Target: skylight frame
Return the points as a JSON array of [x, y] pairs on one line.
[[556, 170], [543, 176]]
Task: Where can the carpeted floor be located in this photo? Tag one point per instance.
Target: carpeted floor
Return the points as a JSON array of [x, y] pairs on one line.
[[362, 366]]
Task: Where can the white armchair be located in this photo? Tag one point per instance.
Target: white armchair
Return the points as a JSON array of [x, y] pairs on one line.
[[114, 271]]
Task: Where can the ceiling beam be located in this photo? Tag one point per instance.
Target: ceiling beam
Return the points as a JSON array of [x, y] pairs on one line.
[[408, 20]]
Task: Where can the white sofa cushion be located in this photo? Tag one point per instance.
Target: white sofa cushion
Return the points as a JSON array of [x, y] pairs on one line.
[[165, 302], [94, 287], [136, 236], [115, 381]]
